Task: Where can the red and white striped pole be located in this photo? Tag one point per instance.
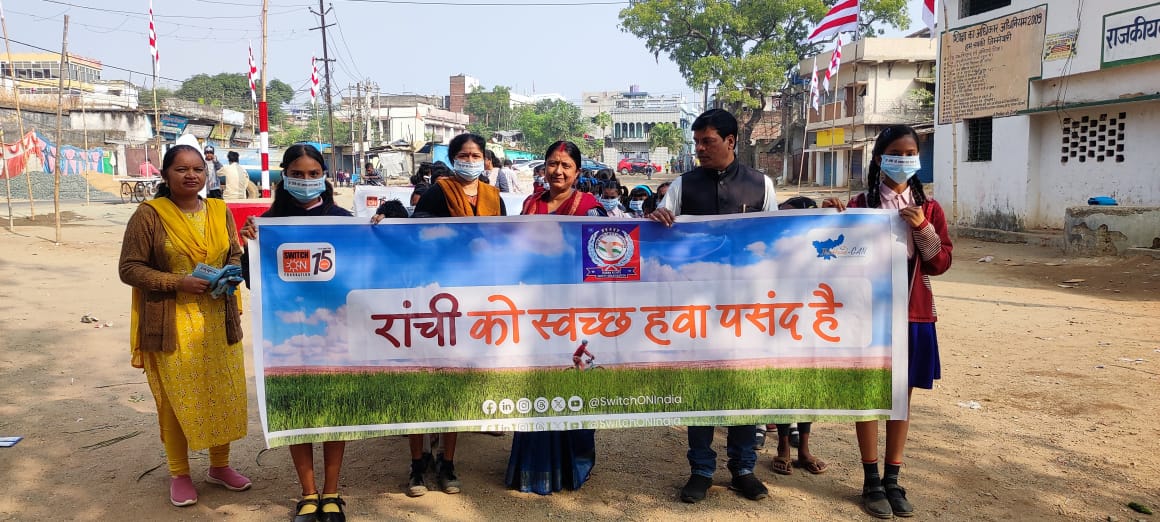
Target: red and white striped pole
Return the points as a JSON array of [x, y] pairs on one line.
[[264, 129], [263, 114]]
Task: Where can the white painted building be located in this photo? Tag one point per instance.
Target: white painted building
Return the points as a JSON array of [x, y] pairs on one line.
[[1049, 106], [634, 113], [892, 75]]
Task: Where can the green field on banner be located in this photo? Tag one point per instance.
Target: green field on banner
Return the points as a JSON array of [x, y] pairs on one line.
[[361, 399]]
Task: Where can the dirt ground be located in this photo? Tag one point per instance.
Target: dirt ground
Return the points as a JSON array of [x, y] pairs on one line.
[[1065, 379]]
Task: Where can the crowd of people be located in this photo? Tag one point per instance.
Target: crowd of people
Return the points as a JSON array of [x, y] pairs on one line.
[[186, 331]]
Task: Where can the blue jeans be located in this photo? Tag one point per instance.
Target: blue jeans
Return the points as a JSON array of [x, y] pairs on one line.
[[741, 446]]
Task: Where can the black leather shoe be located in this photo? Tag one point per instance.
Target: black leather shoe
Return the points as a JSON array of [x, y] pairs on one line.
[[898, 503], [339, 516], [874, 502], [303, 503], [695, 489]]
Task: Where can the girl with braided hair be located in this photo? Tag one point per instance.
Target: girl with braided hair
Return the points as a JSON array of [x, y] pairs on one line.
[[891, 184]]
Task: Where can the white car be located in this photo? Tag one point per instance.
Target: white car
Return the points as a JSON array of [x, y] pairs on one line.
[[528, 167]]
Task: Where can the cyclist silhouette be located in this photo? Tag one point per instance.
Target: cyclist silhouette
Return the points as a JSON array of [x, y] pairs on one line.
[[581, 351]]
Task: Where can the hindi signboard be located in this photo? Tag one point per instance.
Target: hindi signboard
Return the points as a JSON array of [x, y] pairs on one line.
[[415, 326], [1131, 36], [985, 68]]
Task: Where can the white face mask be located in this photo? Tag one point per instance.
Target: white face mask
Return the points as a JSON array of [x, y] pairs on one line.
[[900, 168], [468, 170]]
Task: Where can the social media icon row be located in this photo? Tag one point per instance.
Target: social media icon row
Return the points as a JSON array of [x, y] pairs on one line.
[[523, 405]]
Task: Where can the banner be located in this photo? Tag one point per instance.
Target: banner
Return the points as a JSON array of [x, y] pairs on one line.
[[415, 326]]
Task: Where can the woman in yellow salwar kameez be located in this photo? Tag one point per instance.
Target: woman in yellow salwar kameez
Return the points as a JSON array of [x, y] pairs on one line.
[[187, 341]]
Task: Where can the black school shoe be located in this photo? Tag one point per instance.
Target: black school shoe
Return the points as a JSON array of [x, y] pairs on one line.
[[898, 503], [874, 502], [749, 486], [695, 489], [333, 516]]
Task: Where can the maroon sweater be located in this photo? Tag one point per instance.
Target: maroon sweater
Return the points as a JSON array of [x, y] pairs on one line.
[[933, 247]]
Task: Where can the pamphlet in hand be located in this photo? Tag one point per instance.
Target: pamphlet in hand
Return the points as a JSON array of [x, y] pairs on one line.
[[222, 281]]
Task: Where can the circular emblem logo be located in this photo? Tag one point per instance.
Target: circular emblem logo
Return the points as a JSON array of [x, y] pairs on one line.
[[610, 247]]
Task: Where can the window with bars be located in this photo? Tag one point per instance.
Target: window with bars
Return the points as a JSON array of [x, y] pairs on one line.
[[1094, 138], [974, 7], [979, 139]]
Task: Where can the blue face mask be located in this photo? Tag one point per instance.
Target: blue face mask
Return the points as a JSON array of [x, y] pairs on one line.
[[304, 190], [636, 205], [468, 170], [610, 204], [900, 168]]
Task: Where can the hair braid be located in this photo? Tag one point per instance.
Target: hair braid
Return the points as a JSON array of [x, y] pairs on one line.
[[916, 190]]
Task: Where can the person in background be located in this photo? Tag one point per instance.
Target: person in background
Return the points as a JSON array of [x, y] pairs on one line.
[[610, 199], [392, 208], [188, 341], [506, 178], [236, 178], [636, 201], [371, 176], [538, 182], [460, 195], [213, 184], [147, 170], [722, 185], [662, 189], [304, 191]]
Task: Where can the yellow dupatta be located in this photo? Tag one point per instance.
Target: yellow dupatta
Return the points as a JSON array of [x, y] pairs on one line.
[[181, 234]]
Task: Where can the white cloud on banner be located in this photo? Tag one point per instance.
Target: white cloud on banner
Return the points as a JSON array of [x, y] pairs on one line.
[[437, 232], [329, 348]]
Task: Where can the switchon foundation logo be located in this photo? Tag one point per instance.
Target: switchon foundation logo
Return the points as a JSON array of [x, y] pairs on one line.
[[306, 262]]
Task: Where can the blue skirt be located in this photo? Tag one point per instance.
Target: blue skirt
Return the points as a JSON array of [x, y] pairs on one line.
[[547, 461], [925, 367]]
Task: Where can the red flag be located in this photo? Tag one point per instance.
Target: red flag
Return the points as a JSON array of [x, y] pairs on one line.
[[842, 17], [928, 15], [153, 41], [313, 79], [815, 102], [253, 75], [835, 63]]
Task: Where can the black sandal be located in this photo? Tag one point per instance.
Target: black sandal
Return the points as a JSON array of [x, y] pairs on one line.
[[305, 502], [874, 502], [340, 516], [898, 503]]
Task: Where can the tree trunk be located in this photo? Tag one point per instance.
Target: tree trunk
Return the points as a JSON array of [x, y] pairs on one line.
[[746, 120]]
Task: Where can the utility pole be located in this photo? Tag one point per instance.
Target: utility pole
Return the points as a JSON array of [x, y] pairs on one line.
[[326, 72], [358, 130], [63, 71]]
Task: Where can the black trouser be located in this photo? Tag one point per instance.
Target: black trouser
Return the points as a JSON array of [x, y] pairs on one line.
[[215, 193]]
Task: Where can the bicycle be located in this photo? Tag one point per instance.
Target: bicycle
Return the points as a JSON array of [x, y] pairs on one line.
[[588, 366]]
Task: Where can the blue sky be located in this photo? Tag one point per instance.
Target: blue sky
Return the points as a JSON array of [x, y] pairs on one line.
[[405, 48], [419, 253]]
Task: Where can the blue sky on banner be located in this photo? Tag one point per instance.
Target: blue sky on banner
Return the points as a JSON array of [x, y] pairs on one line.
[[305, 322]]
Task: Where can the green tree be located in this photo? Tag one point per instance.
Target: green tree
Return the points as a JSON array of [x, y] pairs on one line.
[[145, 97], [490, 111], [666, 135], [550, 120], [603, 121], [232, 91], [315, 129], [743, 47]]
